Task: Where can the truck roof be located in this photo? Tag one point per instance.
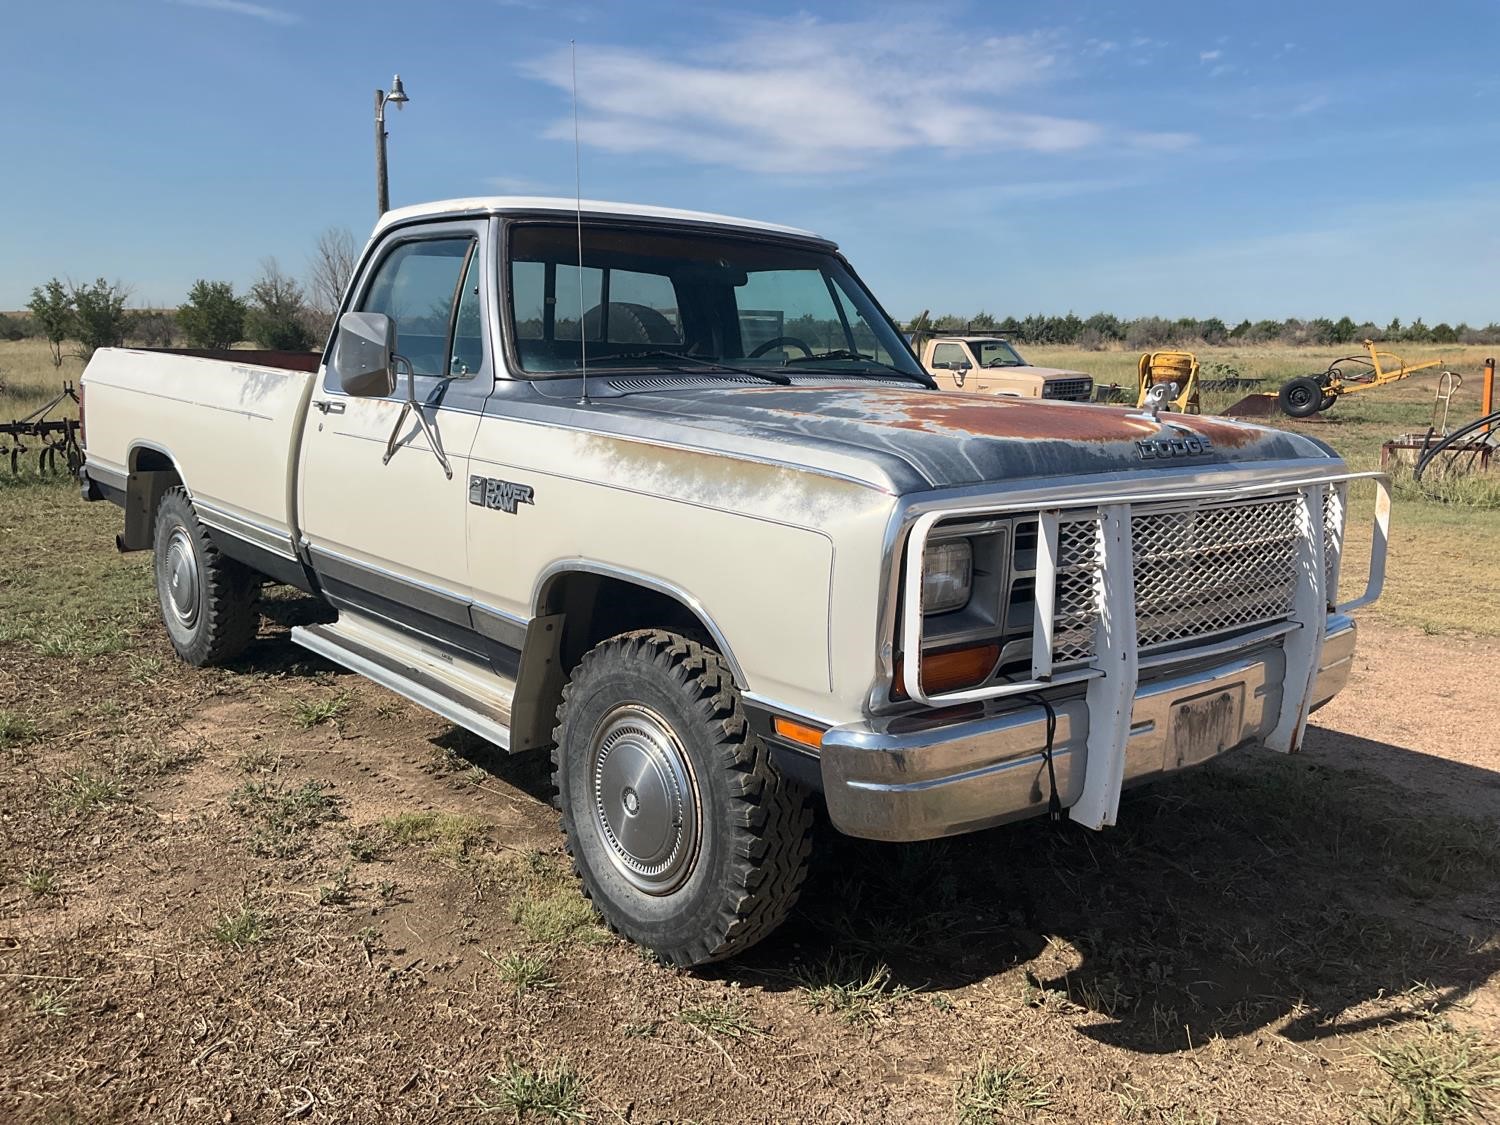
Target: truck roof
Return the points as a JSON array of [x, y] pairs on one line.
[[970, 339], [592, 208]]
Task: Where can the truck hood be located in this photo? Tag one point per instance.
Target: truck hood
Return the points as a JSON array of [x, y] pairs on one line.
[[910, 439]]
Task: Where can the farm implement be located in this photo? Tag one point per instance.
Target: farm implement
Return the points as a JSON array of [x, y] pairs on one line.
[[1307, 395], [48, 438], [1452, 454]]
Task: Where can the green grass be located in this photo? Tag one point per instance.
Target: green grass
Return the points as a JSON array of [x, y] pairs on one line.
[[448, 836], [15, 729], [241, 927], [1437, 1075], [730, 1019], [51, 1005], [337, 892], [552, 1093], [309, 713], [67, 594], [850, 989], [283, 816], [524, 972], [41, 881], [84, 790], [994, 1093], [559, 918]]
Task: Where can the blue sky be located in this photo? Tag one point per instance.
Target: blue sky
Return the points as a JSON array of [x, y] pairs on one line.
[[1186, 159]]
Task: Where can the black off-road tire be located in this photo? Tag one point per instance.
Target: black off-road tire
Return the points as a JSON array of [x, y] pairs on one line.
[[209, 602], [1302, 397], [753, 826]]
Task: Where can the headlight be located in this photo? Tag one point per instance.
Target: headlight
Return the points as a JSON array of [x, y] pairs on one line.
[[947, 576]]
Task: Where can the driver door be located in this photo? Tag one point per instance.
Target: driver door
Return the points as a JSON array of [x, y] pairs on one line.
[[387, 538]]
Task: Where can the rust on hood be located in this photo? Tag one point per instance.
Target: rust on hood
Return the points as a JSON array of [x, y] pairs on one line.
[[1020, 420]]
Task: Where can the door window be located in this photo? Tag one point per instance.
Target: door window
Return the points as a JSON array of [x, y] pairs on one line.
[[418, 286], [946, 355]]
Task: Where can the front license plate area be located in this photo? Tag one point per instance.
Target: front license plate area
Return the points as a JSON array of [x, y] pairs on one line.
[[1205, 726]]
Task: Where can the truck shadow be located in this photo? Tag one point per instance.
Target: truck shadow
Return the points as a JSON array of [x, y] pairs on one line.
[[1257, 891], [1295, 892]]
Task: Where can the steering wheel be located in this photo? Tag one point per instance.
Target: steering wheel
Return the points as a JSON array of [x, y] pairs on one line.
[[781, 341]]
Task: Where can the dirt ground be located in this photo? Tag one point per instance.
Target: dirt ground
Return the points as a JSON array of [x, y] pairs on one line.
[[278, 892]]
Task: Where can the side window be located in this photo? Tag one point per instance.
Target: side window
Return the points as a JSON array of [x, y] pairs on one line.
[[416, 286], [948, 354]]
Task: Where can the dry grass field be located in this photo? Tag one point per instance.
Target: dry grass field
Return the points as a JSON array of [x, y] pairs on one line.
[[277, 892]]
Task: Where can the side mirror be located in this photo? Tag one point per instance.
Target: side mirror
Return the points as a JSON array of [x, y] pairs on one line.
[[960, 370], [363, 354]]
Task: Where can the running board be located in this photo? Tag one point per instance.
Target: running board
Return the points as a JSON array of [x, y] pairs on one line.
[[463, 692]]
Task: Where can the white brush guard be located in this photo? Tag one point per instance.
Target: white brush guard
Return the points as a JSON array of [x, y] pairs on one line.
[[1127, 582]]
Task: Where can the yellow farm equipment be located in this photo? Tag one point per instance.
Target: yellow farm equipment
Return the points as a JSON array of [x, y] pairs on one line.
[[1307, 395], [1178, 369]]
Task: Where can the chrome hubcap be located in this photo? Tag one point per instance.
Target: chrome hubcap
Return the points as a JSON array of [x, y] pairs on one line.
[[182, 578], [645, 798]]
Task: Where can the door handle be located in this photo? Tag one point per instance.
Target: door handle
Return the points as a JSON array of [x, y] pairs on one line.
[[329, 407]]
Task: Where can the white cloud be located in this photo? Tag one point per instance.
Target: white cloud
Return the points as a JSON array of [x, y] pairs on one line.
[[1208, 56], [244, 8], [806, 95]]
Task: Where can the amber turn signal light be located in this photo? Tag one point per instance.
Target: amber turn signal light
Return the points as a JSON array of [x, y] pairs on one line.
[[950, 669], [798, 732]]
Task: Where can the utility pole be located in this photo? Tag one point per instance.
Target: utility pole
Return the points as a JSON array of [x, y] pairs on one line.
[[398, 98]]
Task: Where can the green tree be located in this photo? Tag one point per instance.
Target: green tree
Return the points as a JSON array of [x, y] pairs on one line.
[[99, 315], [52, 310], [213, 316], [277, 316]]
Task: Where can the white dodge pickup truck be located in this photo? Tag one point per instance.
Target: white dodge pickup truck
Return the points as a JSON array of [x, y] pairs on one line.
[[668, 494]]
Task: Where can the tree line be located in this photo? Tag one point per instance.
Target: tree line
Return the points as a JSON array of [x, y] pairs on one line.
[[278, 311], [1103, 330]]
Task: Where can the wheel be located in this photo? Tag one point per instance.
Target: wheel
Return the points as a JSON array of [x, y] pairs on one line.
[[1328, 400], [685, 836], [1301, 397], [208, 601]]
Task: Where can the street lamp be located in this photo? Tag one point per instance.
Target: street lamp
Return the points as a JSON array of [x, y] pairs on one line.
[[397, 97]]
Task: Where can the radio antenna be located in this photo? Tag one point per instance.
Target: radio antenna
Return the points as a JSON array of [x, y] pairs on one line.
[[583, 344]]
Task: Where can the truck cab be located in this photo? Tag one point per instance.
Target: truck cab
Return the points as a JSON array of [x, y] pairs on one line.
[[991, 365]]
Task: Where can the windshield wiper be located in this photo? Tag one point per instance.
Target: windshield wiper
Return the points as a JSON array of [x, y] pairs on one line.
[[843, 353], [717, 367]]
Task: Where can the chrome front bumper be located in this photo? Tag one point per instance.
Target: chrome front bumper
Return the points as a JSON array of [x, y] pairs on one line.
[[917, 777]]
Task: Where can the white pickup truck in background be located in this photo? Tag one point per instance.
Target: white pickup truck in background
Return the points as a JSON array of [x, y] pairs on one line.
[[681, 506], [989, 365]]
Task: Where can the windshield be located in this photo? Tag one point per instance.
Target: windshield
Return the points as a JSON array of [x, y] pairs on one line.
[[679, 300], [997, 353]]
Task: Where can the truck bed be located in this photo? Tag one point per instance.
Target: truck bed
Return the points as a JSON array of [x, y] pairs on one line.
[[147, 408]]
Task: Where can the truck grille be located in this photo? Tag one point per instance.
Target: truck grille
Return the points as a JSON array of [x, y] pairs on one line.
[[1199, 572], [1074, 389]]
